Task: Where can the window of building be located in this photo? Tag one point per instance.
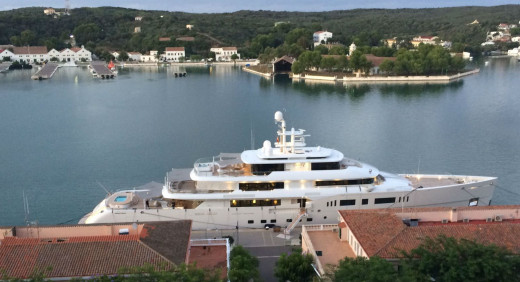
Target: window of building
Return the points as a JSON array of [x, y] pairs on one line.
[[347, 202], [384, 200]]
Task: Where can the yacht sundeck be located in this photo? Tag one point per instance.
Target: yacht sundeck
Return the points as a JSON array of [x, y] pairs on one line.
[[282, 185]]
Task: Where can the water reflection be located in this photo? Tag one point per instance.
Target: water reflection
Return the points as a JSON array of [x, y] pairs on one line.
[[409, 90], [356, 91]]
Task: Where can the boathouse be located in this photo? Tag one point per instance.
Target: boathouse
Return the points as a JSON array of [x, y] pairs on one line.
[[283, 64]]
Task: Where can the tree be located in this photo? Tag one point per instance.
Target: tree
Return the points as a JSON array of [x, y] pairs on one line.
[[310, 59], [363, 269], [243, 266], [328, 63], [87, 32], [234, 57], [297, 67], [295, 267], [359, 62], [322, 49], [123, 56], [448, 259], [337, 50], [342, 63], [387, 66], [27, 37]]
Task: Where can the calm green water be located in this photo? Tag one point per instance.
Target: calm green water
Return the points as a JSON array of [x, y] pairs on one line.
[[59, 138]]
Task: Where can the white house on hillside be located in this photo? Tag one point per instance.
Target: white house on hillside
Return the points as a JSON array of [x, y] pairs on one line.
[[150, 56], [320, 37], [30, 54], [73, 54], [134, 56], [6, 55], [173, 54], [224, 53]]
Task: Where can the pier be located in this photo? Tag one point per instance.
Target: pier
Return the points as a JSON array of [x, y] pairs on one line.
[[101, 70], [4, 66], [46, 72]]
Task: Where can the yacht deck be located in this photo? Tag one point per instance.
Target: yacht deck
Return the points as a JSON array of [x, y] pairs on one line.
[[427, 182]]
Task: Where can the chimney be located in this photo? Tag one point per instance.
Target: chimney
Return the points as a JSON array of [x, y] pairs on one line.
[[453, 215]]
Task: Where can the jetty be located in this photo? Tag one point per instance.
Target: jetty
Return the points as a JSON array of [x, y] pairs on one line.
[[4, 66], [46, 72], [101, 70]]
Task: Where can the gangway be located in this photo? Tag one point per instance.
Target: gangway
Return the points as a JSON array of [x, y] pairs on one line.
[[295, 221]]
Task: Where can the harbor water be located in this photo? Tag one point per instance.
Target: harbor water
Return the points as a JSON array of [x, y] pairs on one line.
[[64, 140]]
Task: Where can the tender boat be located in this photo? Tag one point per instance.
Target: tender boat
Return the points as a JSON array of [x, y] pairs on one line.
[[283, 185]]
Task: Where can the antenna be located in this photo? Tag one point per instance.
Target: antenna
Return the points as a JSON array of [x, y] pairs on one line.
[[25, 207], [252, 137], [67, 7], [104, 188]]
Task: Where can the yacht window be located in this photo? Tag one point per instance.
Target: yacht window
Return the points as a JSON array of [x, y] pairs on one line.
[[384, 200], [407, 198], [255, 203], [273, 220], [309, 219], [325, 166], [263, 186], [335, 202], [263, 221], [265, 169], [289, 220], [473, 202], [347, 202], [327, 204], [250, 221], [345, 182], [399, 199], [364, 201]]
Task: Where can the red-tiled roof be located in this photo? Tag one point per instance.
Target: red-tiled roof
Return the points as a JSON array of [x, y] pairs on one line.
[[288, 59], [229, 48], [164, 39], [175, 49], [185, 38], [383, 233], [376, 61], [159, 244], [75, 49], [28, 50]]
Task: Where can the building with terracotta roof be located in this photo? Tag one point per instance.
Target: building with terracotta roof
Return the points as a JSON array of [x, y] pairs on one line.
[[164, 39], [320, 37], [30, 54], [174, 54], [6, 55], [223, 54], [65, 252], [384, 233], [185, 38]]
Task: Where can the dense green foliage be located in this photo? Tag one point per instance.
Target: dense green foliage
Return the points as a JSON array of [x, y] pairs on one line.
[[427, 60], [294, 267], [440, 259], [363, 269], [109, 28], [243, 266], [447, 259]]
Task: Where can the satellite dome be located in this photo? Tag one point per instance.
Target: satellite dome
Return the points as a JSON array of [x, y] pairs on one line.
[[278, 116]]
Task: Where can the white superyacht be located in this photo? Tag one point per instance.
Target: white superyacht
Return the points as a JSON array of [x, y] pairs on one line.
[[283, 185]]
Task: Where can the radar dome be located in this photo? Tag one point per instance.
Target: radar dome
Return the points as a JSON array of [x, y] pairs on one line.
[[278, 116]]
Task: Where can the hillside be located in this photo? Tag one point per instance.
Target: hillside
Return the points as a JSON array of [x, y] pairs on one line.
[[113, 28]]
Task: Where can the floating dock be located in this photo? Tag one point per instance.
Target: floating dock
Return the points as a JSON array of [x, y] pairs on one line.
[[46, 72], [4, 66], [101, 70]]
